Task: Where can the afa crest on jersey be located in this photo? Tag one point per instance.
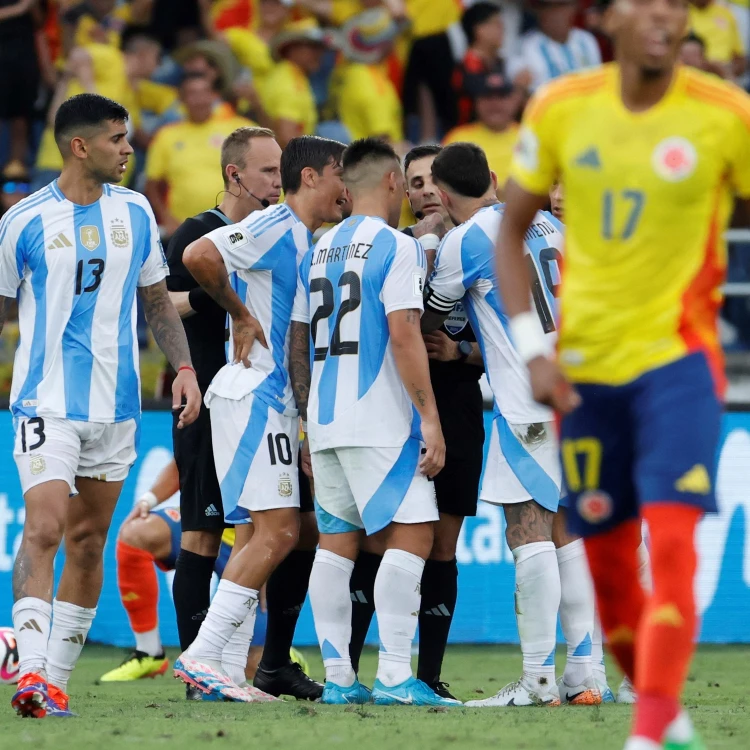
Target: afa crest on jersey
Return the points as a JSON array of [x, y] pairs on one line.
[[118, 235]]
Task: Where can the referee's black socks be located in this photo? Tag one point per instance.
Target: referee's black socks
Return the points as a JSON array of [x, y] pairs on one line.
[[191, 590], [285, 594], [362, 588], [439, 594]]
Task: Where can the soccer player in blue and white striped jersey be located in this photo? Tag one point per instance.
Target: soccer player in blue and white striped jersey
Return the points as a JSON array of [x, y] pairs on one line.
[[75, 253], [254, 418], [522, 471], [375, 435]]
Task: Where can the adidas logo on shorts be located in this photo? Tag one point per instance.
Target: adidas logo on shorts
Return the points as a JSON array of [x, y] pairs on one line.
[[211, 510]]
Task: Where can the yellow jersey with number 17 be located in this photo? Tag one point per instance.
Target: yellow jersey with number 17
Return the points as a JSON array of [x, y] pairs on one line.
[[647, 199]]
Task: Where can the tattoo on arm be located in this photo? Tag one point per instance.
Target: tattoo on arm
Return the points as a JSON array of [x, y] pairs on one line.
[[419, 394], [412, 316], [165, 324], [299, 364]]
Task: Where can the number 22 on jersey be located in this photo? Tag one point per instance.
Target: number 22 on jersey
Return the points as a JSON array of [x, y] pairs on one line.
[[326, 309]]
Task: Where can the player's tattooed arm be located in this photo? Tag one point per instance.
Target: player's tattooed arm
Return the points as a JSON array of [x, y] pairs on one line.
[[299, 364], [527, 523], [166, 324], [4, 307]]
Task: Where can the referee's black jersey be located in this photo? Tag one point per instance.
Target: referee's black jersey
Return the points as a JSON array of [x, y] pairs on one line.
[[206, 329]]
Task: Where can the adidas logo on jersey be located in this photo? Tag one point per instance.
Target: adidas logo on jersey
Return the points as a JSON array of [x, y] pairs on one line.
[[78, 638], [211, 510], [31, 625], [589, 158], [59, 242], [696, 481], [358, 596]]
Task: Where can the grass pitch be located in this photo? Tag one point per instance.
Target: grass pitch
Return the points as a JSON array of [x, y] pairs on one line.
[[154, 714]]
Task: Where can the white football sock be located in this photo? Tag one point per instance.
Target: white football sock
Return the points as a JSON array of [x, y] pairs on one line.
[[149, 642], [234, 656], [644, 568], [31, 625], [397, 602], [70, 627], [332, 611], [230, 607], [641, 743], [681, 730], [537, 602], [597, 651], [576, 611]]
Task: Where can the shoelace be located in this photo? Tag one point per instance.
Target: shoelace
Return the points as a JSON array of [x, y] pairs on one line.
[[508, 689]]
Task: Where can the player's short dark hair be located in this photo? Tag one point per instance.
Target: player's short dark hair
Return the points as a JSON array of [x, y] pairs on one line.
[[307, 151], [366, 149], [421, 152], [475, 15], [86, 112], [693, 37], [464, 169]]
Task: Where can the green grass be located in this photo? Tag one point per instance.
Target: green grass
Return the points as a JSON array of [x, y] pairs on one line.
[[154, 714]]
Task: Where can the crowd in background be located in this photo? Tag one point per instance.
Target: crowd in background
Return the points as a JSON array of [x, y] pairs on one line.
[[409, 71]]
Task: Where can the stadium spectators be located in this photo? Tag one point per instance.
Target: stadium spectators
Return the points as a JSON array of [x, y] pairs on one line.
[[557, 46], [693, 52], [19, 80], [496, 102], [716, 25], [181, 173], [366, 99], [286, 94]]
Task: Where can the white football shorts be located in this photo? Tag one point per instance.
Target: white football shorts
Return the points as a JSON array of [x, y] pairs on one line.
[[255, 452], [368, 488], [523, 463], [48, 448]]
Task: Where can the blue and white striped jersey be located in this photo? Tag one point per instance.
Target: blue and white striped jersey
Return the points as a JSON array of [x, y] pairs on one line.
[[264, 250], [465, 268], [358, 273], [75, 270], [547, 59]]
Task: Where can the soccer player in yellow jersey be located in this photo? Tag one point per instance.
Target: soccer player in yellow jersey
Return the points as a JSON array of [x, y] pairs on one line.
[[649, 154]]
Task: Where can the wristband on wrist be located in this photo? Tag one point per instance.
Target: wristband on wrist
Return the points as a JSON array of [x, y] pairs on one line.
[[149, 498], [303, 422], [429, 241], [187, 367], [528, 336]]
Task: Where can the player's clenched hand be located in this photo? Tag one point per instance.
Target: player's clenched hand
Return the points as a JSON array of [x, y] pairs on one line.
[[433, 456], [440, 346], [431, 224], [550, 387], [185, 387], [245, 332]]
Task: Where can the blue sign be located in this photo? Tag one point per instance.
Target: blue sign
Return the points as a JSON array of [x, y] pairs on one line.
[[485, 612]]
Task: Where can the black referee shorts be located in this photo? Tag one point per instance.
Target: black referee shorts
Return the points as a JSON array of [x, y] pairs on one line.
[[200, 497], [461, 411], [306, 504]]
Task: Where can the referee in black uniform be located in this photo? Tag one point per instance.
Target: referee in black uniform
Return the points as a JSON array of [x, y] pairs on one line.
[[455, 368], [250, 163]]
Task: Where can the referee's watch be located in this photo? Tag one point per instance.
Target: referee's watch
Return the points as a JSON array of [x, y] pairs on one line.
[[464, 350]]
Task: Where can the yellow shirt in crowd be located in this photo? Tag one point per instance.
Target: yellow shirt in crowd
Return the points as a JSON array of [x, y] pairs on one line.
[[497, 146], [286, 94], [186, 156], [251, 51], [368, 103], [426, 16], [717, 27]]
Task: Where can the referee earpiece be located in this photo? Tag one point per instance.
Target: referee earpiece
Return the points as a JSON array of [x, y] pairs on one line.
[[236, 178]]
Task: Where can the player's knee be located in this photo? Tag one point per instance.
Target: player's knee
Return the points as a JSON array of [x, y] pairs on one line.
[[84, 547], [131, 533], [205, 543], [43, 536]]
